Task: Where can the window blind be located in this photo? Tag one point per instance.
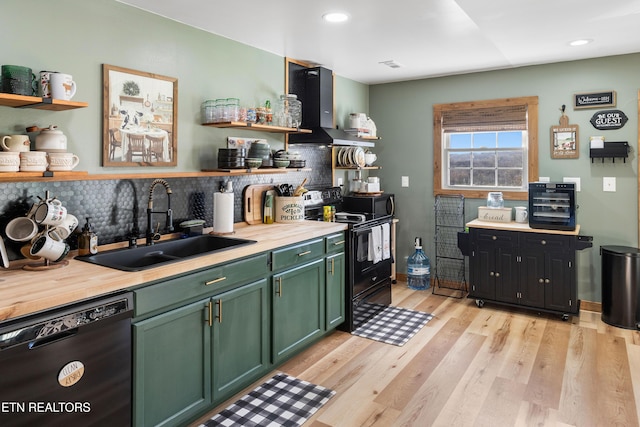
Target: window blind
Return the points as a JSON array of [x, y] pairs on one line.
[[500, 118]]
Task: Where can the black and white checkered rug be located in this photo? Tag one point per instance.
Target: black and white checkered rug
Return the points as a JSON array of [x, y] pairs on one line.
[[281, 401], [393, 325]]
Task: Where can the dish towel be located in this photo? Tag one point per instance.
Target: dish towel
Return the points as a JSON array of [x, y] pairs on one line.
[[375, 244], [386, 241]]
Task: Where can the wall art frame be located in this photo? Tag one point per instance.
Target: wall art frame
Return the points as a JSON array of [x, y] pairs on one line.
[[140, 118]]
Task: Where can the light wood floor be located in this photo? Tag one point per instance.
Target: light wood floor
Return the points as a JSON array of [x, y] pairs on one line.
[[470, 366]]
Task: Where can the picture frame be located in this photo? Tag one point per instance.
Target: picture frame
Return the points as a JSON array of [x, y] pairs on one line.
[[140, 118], [565, 142]]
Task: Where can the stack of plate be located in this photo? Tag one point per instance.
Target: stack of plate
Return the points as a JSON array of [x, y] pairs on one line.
[[231, 158], [298, 164], [351, 157]]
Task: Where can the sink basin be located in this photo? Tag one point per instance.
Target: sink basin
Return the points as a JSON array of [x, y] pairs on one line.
[[145, 257]]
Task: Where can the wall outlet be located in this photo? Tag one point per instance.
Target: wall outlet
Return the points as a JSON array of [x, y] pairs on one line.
[[544, 179], [340, 182], [405, 181], [609, 183], [576, 181]]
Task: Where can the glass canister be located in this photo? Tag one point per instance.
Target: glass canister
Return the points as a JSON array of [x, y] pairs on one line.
[[207, 111], [232, 109], [219, 109], [495, 200]]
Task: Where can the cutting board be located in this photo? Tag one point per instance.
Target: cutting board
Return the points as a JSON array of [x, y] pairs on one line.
[[252, 197]]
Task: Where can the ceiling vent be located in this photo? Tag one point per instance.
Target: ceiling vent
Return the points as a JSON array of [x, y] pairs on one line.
[[390, 63]]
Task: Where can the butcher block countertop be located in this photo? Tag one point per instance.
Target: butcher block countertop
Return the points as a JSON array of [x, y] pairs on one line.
[[23, 292], [516, 226]]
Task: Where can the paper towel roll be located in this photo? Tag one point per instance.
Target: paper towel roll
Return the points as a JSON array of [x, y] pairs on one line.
[[223, 212]]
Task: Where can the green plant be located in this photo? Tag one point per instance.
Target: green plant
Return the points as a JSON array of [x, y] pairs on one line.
[[130, 88]]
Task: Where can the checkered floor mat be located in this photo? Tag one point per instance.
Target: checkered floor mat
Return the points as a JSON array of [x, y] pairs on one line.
[[281, 401], [393, 325]]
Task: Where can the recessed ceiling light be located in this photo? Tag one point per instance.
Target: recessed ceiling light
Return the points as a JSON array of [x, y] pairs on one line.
[[335, 17], [580, 42]]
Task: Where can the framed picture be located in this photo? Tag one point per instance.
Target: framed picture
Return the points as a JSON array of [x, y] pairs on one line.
[[564, 142], [140, 117]]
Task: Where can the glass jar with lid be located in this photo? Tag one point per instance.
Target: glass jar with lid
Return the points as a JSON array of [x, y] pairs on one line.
[[495, 200], [232, 109], [207, 111]]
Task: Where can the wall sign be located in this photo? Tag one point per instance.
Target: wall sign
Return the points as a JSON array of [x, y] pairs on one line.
[[564, 139], [594, 100], [609, 119]]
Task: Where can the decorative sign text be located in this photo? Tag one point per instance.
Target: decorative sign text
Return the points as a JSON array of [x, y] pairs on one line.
[[609, 119], [594, 100]]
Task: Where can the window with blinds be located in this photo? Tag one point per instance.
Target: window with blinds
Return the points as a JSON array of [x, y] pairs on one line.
[[485, 146]]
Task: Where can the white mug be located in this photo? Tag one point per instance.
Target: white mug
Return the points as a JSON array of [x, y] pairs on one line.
[[33, 161], [65, 228], [521, 214], [21, 229], [47, 247], [9, 161], [62, 86], [50, 212], [45, 83], [62, 161], [16, 143]]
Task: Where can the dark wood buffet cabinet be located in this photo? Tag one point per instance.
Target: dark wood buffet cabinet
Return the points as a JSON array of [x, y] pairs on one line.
[[513, 264]]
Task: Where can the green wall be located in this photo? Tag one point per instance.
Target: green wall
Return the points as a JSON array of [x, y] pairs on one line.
[[78, 36], [403, 113]]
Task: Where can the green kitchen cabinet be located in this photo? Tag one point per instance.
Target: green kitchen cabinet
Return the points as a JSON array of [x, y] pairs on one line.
[[334, 289], [172, 366], [240, 326], [298, 308]]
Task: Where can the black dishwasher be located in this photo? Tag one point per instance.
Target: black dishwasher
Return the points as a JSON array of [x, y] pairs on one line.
[[69, 366]]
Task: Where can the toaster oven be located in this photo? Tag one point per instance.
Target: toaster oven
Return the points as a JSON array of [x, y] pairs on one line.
[[552, 206]]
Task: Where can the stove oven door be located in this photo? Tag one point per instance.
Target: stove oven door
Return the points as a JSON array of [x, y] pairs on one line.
[[370, 303], [363, 272]]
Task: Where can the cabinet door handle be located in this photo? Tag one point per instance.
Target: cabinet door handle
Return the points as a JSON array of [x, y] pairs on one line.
[[219, 311], [547, 281], [491, 273], [209, 316], [544, 242], [497, 274], [494, 238], [211, 282], [304, 253], [279, 290], [541, 280], [331, 267]]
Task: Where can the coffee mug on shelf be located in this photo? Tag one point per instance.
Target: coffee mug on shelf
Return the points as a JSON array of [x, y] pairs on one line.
[[50, 212], [45, 83], [9, 161], [18, 80], [62, 161], [521, 214], [16, 143], [33, 161], [62, 86], [47, 247]]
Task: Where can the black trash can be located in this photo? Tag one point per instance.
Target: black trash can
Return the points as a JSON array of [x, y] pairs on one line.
[[620, 282]]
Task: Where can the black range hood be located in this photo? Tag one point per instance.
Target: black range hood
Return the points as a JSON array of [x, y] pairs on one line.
[[314, 88]]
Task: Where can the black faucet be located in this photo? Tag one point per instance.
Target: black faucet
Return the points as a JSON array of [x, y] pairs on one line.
[[134, 232], [151, 235]]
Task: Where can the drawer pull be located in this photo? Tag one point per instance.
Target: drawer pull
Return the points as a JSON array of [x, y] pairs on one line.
[[341, 242], [211, 282], [304, 253]]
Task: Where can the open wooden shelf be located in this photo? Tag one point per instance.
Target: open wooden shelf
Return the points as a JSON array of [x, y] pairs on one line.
[[256, 127], [40, 176], [22, 101], [257, 170]]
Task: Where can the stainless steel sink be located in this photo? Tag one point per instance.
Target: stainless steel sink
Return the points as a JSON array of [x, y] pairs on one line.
[[145, 257]]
